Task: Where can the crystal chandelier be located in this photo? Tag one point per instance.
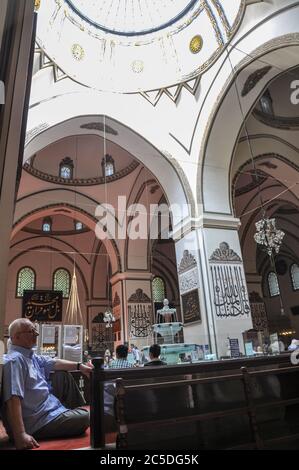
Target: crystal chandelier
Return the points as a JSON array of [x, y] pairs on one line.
[[268, 235], [109, 318]]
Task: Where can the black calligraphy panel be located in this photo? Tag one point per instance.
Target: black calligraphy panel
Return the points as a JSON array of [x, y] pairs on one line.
[[191, 308], [42, 305]]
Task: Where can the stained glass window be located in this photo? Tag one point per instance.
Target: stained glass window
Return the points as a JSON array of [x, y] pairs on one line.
[[295, 276], [47, 225], [65, 172], [267, 103], [25, 281], [273, 284], [66, 168], [109, 169], [108, 165], [78, 226], [158, 289], [61, 281]]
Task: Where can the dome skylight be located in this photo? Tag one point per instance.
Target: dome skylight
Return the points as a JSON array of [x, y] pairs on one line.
[[131, 17]]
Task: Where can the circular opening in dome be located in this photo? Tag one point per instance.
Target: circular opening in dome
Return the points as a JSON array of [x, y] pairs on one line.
[[131, 17]]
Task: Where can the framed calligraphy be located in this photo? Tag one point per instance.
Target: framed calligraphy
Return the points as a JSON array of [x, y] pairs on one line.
[[42, 305], [191, 308]]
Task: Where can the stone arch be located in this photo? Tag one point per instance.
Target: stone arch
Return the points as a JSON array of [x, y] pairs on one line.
[[161, 164], [77, 213], [221, 134]]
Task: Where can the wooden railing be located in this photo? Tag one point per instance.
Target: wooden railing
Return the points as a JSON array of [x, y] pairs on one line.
[[193, 379]]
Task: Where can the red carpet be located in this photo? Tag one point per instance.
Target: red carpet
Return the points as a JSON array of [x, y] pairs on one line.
[[66, 444], [72, 443], [57, 444]]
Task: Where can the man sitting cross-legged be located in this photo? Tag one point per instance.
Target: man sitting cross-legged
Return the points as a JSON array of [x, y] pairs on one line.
[[31, 410]]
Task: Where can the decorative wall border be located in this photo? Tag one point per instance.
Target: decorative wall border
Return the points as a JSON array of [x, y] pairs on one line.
[[278, 122], [81, 181]]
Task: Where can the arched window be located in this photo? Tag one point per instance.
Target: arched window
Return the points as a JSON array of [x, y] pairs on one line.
[[267, 103], [25, 280], [273, 284], [66, 168], [47, 224], [78, 226], [108, 166], [295, 276], [158, 289], [61, 282]]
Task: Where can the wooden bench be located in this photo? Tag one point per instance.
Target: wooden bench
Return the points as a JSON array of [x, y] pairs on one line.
[[251, 403]]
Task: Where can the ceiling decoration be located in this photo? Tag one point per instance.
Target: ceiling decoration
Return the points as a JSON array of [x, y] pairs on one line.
[[196, 44], [254, 79], [269, 165], [99, 126], [45, 61], [172, 92], [95, 180], [35, 131], [130, 18], [153, 96], [37, 4], [130, 46], [258, 177], [278, 122]]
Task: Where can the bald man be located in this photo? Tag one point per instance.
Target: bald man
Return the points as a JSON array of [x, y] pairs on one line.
[[31, 411]]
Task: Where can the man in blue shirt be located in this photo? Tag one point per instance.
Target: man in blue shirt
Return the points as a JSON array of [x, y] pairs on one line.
[[121, 361], [31, 411]]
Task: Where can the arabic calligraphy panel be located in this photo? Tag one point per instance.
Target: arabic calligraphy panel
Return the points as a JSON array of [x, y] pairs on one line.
[[42, 305], [191, 308], [230, 293]]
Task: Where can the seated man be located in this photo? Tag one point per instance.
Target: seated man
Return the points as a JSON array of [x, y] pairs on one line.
[[31, 411], [121, 361], [294, 345], [154, 354]]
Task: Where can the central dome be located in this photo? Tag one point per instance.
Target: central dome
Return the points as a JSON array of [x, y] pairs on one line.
[[128, 46], [131, 17]]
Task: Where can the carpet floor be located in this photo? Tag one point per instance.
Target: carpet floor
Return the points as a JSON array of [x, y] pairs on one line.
[[80, 442]]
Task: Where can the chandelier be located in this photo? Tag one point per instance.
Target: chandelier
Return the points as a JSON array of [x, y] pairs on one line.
[[268, 235], [109, 318]]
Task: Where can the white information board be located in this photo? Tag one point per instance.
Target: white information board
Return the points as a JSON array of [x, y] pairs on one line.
[[72, 344]]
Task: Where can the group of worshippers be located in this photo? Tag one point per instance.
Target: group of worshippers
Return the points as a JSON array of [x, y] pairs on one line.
[[121, 359]]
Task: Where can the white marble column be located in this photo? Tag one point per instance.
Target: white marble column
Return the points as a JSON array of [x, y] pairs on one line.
[[211, 274], [198, 326], [225, 281], [135, 306]]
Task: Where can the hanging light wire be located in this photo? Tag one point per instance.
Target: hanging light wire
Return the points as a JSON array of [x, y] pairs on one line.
[[73, 314], [262, 203]]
